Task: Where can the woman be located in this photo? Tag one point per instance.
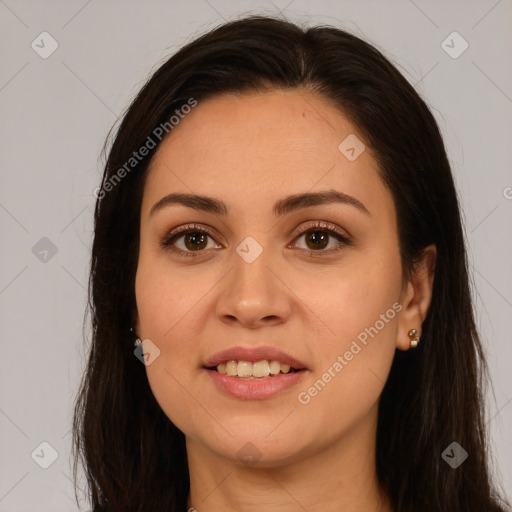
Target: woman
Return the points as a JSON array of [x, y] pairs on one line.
[[279, 290]]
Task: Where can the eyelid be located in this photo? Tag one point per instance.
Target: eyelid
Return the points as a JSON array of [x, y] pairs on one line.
[[182, 230], [321, 224]]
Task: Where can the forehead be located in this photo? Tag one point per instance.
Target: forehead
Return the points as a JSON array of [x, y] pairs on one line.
[[275, 124], [252, 148]]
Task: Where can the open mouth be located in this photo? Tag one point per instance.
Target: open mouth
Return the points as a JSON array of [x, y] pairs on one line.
[[257, 370]]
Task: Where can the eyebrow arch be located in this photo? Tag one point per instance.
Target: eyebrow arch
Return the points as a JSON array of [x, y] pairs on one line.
[[281, 207]]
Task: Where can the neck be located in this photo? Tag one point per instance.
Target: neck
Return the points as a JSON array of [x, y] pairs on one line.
[[340, 477]]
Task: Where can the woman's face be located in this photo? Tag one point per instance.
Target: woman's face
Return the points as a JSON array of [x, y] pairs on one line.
[[245, 282]]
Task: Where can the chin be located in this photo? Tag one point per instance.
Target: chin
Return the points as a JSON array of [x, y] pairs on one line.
[[260, 447]]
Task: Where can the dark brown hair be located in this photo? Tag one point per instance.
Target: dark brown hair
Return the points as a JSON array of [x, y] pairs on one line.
[[134, 457]]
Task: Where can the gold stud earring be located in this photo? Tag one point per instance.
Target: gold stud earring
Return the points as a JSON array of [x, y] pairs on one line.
[[414, 338]]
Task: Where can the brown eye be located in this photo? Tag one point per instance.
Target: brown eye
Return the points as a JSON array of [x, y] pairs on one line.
[[187, 241], [195, 240], [317, 239], [319, 235]]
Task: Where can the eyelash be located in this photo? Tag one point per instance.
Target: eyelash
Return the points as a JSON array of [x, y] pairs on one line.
[[321, 226]]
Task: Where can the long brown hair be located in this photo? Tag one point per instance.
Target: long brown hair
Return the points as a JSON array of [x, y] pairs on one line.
[[134, 457]]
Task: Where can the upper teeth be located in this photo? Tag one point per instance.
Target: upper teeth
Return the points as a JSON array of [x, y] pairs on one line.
[[247, 369]]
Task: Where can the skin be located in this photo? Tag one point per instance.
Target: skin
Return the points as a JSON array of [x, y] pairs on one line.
[[250, 151]]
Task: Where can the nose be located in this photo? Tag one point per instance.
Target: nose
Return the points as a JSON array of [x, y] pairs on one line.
[[254, 293]]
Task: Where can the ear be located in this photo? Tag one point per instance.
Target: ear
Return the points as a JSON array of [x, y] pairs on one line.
[[416, 297]]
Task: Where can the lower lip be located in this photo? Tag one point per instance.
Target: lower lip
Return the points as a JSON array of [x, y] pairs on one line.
[[255, 389]]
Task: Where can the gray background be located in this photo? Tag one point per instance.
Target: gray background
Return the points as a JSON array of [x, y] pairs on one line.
[[55, 114]]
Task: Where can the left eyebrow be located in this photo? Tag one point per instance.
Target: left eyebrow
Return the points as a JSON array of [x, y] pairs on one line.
[[298, 201], [281, 207]]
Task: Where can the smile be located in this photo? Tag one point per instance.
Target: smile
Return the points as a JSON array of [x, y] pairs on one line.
[[257, 370]]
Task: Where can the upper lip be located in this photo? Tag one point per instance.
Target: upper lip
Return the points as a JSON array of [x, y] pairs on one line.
[[253, 354]]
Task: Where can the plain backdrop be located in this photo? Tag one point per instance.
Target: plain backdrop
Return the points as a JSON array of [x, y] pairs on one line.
[[56, 111]]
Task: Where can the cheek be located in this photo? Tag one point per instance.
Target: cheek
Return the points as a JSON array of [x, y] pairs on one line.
[[359, 308], [352, 296], [168, 307], [166, 298]]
